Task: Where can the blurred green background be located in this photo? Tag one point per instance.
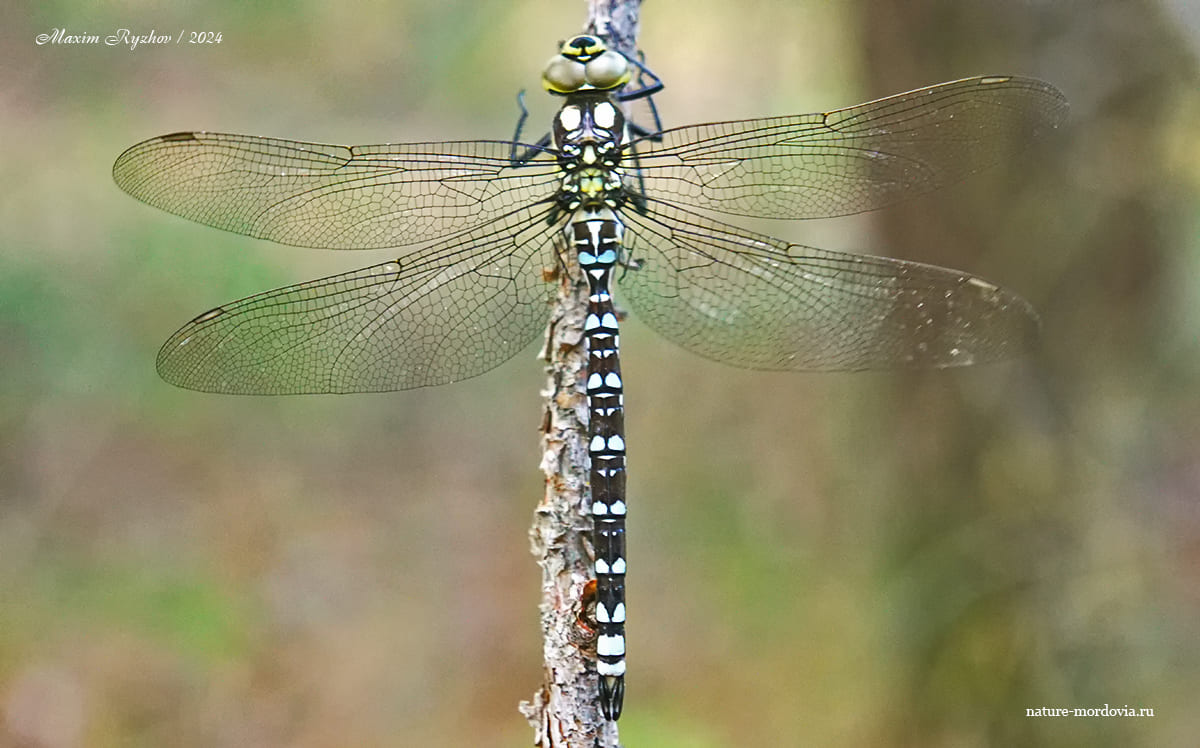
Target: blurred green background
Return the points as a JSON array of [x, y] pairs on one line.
[[833, 560]]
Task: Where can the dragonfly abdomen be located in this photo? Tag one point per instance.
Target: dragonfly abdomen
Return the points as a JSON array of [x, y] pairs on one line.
[[596, 236]]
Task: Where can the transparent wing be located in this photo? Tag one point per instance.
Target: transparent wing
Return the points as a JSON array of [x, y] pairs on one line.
[[849, 160], [332, 196], [761, 303], [445, 313]]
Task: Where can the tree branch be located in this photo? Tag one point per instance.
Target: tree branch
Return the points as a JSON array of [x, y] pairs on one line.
[[565, 711]]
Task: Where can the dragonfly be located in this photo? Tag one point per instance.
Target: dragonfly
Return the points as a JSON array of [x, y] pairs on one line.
[[620, 210]]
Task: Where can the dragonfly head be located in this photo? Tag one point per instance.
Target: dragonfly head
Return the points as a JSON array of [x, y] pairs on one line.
[[585, 63]]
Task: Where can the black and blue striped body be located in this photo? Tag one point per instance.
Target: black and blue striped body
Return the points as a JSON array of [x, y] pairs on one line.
[[606, 448], [588, 132]]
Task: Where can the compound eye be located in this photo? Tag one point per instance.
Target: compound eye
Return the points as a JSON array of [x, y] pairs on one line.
[[563, 75], [608, 70]]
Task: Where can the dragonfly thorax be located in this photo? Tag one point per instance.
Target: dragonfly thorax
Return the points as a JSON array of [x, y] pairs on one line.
[[589, 128], [591, 188], [588, 131]]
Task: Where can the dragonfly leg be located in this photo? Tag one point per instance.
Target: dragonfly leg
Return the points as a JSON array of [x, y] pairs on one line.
[[530, 151], [644, 91]]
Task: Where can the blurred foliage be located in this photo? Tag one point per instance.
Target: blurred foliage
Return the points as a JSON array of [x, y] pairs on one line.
[[858, 560]]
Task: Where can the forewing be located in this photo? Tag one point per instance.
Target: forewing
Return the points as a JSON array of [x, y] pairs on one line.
[[848, 160], [753, 301], [445, 313], [332, 196]]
